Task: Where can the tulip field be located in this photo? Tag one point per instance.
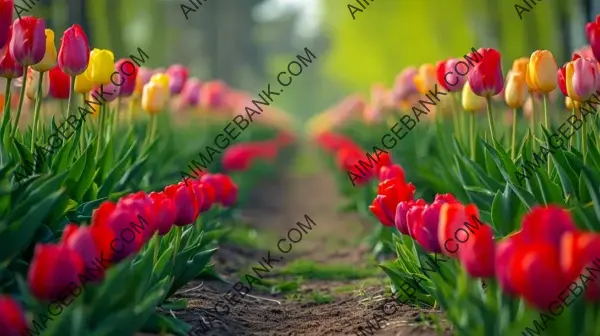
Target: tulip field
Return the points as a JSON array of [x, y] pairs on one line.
[[460, 199]]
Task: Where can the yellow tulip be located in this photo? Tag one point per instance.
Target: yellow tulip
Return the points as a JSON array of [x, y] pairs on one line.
[[162, 80], [516, 91], [520, 65], [101, 66], [50, 58], [425, 79], [154, 97], [470, 101], [570, 104], [541, 72], [83, 84]]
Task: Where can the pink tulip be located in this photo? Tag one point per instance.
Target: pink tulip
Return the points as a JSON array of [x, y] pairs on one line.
[[28, 42]]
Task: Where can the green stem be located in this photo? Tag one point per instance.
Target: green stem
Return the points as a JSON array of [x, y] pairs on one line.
[[156, 247], [490, 118], [533, 122], [584, 137], [101, 118], [71, 95], [177, 232], [36, 111], [572, 129], [21, 99], [472, 134], [514, 135], [5, 118], [547, 125]]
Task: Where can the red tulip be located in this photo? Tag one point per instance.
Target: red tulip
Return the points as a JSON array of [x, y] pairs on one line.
[[505, 254], [53, 268], [165, 212], [6, 9], [402, 209], [226, 191], [139, 204], [205, 194], [9, 67], [546, 224], [422, 222], [128, 72], [178, 75], [333, 142], [12, 317], [592, 30], [74, 52], [59, 83], [453, 217], [449, 66], [185, 202], [580, 250], [390, 193], [212, 95], [90, 243], [486, 78], [123, 225], [384, 160], [562, 79], [391, 171], [28, 43]]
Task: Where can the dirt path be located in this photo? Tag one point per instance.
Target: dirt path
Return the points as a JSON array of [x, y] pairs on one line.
[[327, 284]]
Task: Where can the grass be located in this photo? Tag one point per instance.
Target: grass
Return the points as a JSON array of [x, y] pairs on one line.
[[243, 235], [275, 287], [310, 270]]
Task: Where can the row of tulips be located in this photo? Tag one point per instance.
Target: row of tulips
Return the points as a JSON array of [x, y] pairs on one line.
[[538, 255]]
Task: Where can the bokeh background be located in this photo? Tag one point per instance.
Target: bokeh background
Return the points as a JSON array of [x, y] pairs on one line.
[[247, 42]]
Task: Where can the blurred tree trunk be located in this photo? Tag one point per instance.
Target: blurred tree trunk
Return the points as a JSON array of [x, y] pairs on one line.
[[77, 14]]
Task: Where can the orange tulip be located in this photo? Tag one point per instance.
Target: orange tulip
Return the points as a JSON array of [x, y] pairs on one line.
[[541, 72], [516, 91], [425, 79]]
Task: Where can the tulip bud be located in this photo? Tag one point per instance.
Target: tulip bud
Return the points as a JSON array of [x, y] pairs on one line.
[[154, 97], [12, 317], [60, 83], [49, 60], [486, 79], [9, 68], [74, 53], [52, 269], [33, 80], [108, 92], [185, 201], [212, 95], [516, 92], [128, 73], [581, 79], [425, 79], [190, 94], [28, 42], [83, 84], [101, 67], [520, 65], [162, 80], [470, 101], [541, 71], [178, 75], [592, 31], [6, 8]]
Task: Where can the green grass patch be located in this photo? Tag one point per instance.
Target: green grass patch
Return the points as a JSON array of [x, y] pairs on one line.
[[248, 237], [276, 287], [310, 270], [321, 297]]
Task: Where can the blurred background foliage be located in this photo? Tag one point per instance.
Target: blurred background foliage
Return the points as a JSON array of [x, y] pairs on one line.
[[247, 42]]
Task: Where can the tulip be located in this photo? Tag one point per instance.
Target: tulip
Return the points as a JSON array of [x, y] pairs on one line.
[[520, 65], [422, 222], [178, 75], [206, 195], [592, 31], [74, 51], [89, 242], [400, 219], [561, 78], [582, 78], [162, 80], [128, 72], [118, 222], [154, 98], [580, 250], [52, 269], [143, 77], [101, 66], [190, 95], [12, 317], [226, 191], [28, 42], [390, 193], [50, 58], [212, 95], [6, 8], [83, 84], [165, 211], [404, 85], [425, 79], [33, 80], [141, 206], [453, 216], [109, 92], [541, 71], [486, 79], [59, 83], [9, 67], [546, 224], [470, 101], [452, 83], [185, 202], [390, 171], [516, 92]]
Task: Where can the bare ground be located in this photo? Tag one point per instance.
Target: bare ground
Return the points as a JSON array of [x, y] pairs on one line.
[[318, 306]]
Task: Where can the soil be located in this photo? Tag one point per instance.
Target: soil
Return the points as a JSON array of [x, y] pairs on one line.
[[276, 206]]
